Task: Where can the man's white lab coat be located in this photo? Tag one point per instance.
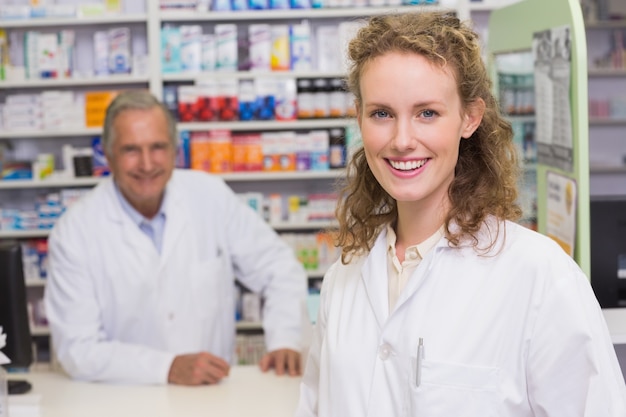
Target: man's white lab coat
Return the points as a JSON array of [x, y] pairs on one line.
[[514, 333], [120, 312]]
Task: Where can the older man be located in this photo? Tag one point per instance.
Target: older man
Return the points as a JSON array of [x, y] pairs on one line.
[[142, 269]]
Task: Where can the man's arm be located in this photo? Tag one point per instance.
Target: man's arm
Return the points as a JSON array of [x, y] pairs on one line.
[[198, 369], [265, 264], [284, 361], [75, 321]]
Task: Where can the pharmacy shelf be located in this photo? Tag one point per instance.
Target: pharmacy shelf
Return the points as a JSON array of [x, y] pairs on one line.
[[121, 79], [311, 225], [74, 21], [604, 121], [50, 133], [285, 176], [318, 273], [24, 234], [38, 282], [249, 325], [606, 24], [267, 125], [213, 75], [603, 169], [607, 72], [285, 14], [521, 118], [279, 227], [35, 282], [231, 176], [40, 331], [50, 183]]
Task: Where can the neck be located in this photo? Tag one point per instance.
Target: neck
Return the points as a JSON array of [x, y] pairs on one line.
[[416, 224], [148, 211]]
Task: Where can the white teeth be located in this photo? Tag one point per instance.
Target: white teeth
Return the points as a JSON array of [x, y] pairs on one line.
[[407, 165]]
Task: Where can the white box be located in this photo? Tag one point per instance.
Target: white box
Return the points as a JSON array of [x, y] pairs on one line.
[[191, 48], [300, 43], [119, 50], [260, 41], [226, 35]]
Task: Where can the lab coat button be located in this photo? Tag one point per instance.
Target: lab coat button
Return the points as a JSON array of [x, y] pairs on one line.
[[384, 351], [170, 316]]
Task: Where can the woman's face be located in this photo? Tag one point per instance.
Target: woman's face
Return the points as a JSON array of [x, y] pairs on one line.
[[412, 122]]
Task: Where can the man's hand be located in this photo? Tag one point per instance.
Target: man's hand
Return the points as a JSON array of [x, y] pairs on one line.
[[197, 369], [282, 360]]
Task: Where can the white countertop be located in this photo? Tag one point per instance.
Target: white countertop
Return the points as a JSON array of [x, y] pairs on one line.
[[246, 392]]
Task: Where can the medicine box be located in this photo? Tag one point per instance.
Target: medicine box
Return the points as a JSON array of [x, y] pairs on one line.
[[119, 50], [226, 38], [191, 48], [280, 56], [170, 50]]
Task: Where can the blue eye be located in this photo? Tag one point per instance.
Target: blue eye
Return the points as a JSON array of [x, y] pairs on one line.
[[380, 114], [429, 113]]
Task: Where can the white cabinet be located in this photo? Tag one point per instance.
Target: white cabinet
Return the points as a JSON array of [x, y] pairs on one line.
[[606, 42]]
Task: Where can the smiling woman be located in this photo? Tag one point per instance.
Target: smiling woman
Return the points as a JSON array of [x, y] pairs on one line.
[[412, 122], [440, 303]]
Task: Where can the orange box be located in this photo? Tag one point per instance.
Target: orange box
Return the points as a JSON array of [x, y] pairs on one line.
[[220, 151], [286, 150], [254, 153], [199, 151], [220, 154], [239, 149], [270, 145], [96, 103]]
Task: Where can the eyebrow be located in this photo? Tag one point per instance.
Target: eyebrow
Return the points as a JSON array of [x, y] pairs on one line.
[[425, 103]]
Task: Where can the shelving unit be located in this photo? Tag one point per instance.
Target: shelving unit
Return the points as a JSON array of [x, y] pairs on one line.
[[607, 144], [599, 121], [111, 80], [150, 23], [74, 21], [266, 125]]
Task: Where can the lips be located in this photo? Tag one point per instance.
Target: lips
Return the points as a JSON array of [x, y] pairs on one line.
[[407, 165]]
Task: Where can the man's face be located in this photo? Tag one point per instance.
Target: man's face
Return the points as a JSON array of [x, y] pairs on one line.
[[142, 158]]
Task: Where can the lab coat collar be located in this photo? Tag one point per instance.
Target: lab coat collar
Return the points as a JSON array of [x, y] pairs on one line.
[[374, 268], [375, 277], [176, 217], [173, 209]]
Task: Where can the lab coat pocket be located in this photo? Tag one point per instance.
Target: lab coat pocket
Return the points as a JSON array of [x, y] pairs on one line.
[[452, 389], [209, 279]]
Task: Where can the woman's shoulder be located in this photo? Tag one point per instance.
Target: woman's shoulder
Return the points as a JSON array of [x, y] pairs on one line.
[[532, 240]]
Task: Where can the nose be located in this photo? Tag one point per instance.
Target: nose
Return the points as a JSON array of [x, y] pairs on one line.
[[146, 160], [404, 136]]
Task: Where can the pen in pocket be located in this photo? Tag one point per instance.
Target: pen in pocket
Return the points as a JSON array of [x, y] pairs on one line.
[[418, 362]]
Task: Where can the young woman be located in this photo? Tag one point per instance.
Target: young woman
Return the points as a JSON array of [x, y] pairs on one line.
[[441, 305]]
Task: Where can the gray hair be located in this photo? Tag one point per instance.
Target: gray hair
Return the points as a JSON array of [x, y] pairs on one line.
[[134, 100]]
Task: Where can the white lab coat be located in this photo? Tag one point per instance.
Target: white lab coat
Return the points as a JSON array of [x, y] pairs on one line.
[[515, 333], [119, 312]]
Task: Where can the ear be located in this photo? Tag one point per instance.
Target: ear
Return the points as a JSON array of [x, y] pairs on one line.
[[473, 117], [359, 117]]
